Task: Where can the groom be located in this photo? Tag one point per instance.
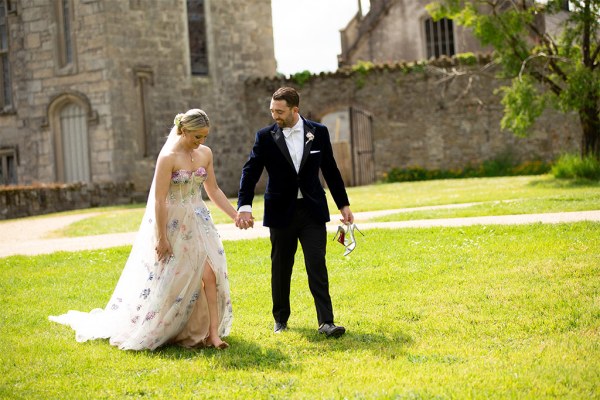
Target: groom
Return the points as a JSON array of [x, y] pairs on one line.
[[293, 151]]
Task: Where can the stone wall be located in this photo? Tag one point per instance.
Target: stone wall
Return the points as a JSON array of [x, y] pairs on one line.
[[38, 81], [422, 118], [115, 42], [19, 201]]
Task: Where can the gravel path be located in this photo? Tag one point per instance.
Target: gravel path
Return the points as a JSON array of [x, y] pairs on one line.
[[29, 236]]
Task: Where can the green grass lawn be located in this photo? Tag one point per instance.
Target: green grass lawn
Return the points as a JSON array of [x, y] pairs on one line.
[[477, 312], [528, 194]]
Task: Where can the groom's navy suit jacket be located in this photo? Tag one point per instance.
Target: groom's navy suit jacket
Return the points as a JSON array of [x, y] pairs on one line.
[[270, 152]]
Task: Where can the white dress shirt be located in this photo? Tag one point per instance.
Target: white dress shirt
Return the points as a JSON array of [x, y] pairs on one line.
[[294, 139]]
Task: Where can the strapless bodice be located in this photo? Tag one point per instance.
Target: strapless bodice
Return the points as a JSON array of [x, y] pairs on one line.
[[186, 185], [183, 176]]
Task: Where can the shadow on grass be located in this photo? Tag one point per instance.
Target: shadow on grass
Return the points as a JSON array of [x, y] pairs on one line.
[[241, 354], [357, 339]]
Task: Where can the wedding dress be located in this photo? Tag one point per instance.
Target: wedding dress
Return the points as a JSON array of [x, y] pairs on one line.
[[155, 303]]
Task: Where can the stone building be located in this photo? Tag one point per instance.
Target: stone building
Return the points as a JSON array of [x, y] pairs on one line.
[[403, 30], [396, 30], [388, 120], [90, 88]]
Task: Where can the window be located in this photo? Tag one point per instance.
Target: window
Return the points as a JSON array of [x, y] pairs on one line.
[[8, 166], [439, 36], [5, 81], [73, 126], [197, 37], [144, 78], [69, 116], [65, 34]]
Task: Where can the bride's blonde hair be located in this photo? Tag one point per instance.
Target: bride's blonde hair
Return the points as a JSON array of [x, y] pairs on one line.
[[192, 120]]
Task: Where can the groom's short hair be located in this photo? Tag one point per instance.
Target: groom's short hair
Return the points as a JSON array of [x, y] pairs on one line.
[[289, 94]]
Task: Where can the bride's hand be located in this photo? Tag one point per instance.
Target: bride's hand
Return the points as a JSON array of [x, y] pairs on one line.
[[163, 250]]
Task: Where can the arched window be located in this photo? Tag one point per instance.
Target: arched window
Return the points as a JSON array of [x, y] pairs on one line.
[[439, 37], [197, 37], [74, 141], [69, 115]]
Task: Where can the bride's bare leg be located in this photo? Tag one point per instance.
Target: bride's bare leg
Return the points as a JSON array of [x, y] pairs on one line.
[[210, 289]]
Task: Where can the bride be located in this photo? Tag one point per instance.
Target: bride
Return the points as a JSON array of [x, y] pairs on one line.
[[174, 287]]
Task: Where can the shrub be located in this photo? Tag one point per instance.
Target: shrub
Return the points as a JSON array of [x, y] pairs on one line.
[[466, 58], [571, 166], [502, 166], [301, 78]]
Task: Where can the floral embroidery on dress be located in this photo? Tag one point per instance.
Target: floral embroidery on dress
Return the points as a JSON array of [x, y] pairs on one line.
[[187, 236], [173, 225], [201, 172], [150, 315], [156, 306], [203, 212], [180, 176], [183, 176]]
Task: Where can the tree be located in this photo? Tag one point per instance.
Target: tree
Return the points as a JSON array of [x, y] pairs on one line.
[[548, 69]]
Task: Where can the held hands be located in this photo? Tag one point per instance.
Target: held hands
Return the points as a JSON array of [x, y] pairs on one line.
[[244, 220]]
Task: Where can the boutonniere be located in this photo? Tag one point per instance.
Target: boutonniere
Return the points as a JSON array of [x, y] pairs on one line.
[[309, 137]]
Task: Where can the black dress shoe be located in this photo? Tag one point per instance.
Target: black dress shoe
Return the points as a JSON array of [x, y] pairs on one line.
[[332, 330], [280, 327]]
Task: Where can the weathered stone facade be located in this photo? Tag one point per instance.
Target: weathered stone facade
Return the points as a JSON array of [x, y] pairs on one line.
[[422, 121], [130, 75], [394, 30]]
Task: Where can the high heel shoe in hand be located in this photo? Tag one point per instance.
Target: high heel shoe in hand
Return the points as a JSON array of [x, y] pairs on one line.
[[352, 240]]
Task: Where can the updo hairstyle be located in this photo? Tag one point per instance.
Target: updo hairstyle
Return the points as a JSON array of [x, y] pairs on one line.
[[192, 120]]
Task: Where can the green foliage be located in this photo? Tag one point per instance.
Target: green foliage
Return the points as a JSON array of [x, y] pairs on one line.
[[300, 78], [375, 197], [571, 166], [435, 308], [501, 166], [523, 104], [362, 69], [547, 68], [553, 198], [467, 58], [581, 81]]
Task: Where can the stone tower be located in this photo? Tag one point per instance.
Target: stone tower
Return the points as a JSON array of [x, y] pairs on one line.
[[95, 84]]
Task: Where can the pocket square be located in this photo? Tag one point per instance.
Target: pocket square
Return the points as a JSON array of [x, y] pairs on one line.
[[315, 151]]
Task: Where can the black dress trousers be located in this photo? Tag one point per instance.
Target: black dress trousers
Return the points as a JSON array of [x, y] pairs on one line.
[[284, 243]]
